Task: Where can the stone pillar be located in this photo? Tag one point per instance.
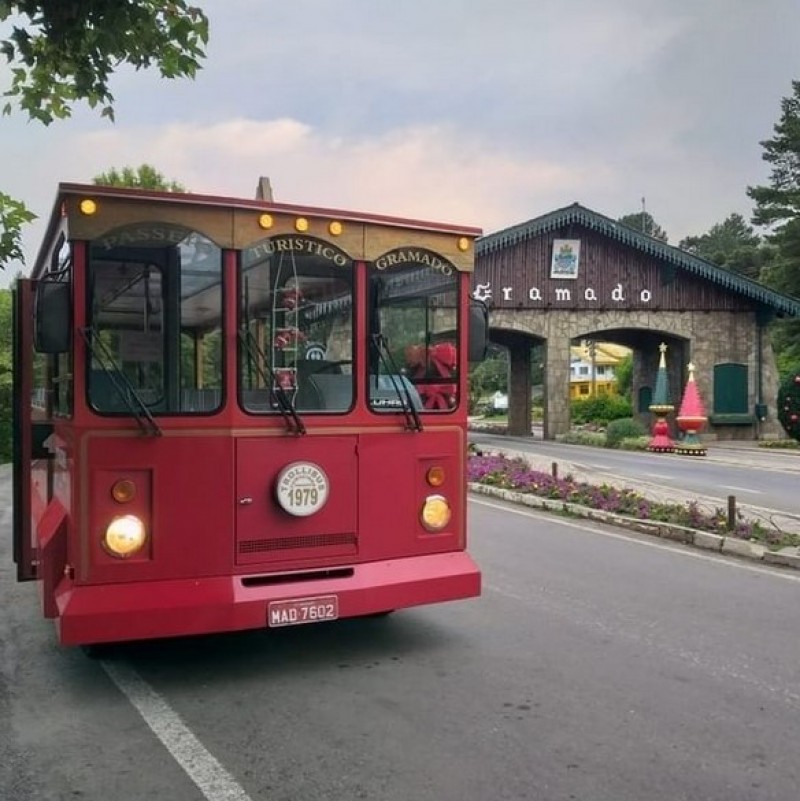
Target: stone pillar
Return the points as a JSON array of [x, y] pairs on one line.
[[643, 380], [519, 388], [556, 387]]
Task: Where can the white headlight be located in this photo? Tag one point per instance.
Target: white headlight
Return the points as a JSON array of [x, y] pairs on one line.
[[125, 535], [435, 513]]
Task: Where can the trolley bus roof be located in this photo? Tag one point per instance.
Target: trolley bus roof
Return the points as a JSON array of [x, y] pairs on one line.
[[238, 222]]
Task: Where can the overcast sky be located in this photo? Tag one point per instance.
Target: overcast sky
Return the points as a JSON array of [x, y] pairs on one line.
[[480, 112]]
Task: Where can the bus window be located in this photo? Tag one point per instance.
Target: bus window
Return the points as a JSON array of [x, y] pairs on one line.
[[155, 321], [296, 306], [414, 327]]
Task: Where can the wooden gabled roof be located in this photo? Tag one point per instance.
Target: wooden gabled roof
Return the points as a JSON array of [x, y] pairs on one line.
[[781, 305]]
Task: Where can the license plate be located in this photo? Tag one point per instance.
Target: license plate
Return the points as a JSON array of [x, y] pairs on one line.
[[297, 611]]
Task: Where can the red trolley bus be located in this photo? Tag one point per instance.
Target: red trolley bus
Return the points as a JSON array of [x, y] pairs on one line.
[[233, 414]]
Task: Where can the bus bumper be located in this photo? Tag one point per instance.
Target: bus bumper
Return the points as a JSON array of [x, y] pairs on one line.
[[92, 614]]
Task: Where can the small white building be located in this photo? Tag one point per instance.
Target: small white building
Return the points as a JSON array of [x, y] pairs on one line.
[[500, 401]]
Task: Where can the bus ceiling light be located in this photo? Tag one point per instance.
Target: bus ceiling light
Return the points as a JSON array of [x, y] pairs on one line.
[[123, 490], [301, 224], [125, 536], [435, 476], [266, 221], [335, 228], [463, 244], [88, 207], [435, 513]]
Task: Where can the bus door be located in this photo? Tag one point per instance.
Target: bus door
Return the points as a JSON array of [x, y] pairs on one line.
[[24, 552]]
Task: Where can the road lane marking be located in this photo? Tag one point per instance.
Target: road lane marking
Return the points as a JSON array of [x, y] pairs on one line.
[[213, 781], [708, 557], [741, 489]]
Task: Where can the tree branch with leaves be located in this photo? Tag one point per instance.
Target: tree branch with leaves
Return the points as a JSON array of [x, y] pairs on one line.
[[145, 176], [63, 52]]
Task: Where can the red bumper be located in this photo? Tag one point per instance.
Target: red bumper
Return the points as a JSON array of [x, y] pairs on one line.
[[119, 612]]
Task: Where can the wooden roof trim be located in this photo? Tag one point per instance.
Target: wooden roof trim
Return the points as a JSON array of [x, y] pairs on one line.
[[580, 215]]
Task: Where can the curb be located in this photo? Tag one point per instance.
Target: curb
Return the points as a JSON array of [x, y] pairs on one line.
[[706, 540]]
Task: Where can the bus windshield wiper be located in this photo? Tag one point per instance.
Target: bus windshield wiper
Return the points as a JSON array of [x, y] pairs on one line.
[[130, 397], [413, 420], [285, 405]]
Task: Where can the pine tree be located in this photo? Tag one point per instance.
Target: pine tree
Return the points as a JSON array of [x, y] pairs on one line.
[[643, 221], [734, 245], [778, 208], [780, 201]]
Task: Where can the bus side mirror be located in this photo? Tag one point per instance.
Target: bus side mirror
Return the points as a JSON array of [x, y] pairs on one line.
[[52, 317], [478, 331]]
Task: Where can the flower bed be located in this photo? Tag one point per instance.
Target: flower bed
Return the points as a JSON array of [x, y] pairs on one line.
[[515, 474]]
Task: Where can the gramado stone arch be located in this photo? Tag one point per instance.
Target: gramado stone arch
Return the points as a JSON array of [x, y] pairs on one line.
[[574, 274]]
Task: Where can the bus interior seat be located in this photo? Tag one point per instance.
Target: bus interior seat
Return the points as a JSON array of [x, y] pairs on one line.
[[385, 387], [200, 400], [257, 400], [334, 391], [321, 386], [105, 397]]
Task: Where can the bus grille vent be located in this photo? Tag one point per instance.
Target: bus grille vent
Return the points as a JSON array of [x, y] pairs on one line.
[[308, 541]]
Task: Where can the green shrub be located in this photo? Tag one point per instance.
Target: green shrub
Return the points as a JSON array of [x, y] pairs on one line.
[[596, 439], [779, 444], [634, 443], [599, 410], [623, 428], [789, 405]]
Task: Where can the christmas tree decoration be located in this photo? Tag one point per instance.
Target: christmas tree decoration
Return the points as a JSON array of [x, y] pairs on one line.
[[691, 419], [660, 442], [789, 406]]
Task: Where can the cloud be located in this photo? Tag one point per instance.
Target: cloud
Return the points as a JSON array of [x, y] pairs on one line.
[[424, 172], [461, 110]]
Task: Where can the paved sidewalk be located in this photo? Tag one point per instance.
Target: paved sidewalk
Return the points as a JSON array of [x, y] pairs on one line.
[[787, 459]]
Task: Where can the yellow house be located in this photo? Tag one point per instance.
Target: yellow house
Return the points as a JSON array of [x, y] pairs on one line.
[[593, 368]]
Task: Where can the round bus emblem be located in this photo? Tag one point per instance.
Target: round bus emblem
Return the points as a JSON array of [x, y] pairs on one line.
[[302, 488]]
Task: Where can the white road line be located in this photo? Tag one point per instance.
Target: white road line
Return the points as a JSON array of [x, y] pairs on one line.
[[658, 476], [213, 781], [646, 543], [741, 489]]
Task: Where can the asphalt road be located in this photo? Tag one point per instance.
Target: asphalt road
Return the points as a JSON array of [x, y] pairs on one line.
[[768, 479], [595, 667]]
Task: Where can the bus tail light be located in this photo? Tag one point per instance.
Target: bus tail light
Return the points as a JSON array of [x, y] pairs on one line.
[[123, 491], [435, 513], [435, 476], [124, 536]]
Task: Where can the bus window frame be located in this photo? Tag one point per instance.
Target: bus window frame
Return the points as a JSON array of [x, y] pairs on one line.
[[271, 371], [175, 326], [373, 311]]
